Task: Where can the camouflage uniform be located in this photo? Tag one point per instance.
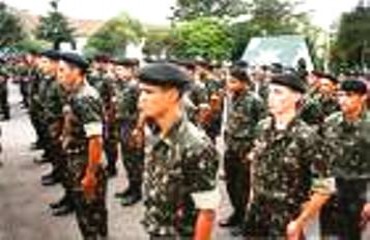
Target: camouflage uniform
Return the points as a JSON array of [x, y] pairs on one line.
[[351, 167], [177, 167], [246, 111], [317, 107], [127, 115], [284, 163], [83, 119], [55, 99], [35, 104], [4, 105], [110, 133], [213, 125]]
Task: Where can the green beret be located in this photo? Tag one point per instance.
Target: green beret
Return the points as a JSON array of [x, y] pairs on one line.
[[291, 81], [75, 59], [164, 74], [353, 85]]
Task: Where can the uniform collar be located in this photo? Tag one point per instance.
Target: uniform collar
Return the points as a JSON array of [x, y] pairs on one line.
[[173, 135]]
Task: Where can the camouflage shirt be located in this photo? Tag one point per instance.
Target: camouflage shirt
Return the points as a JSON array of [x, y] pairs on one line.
[[125, 98], [85, 108], [177, 168], [318, 107], [246, 111], [352, 145], [284, 163]]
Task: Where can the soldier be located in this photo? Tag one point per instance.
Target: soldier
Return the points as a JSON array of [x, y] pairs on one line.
[[181, 161], [82, 141], [287, 154], [348, 131], [4, 104], [49, 66], [321, 102], [210, 113], [245, 112], [126, 97]]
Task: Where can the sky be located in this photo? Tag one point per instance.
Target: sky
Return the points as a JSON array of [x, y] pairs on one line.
[[156, 12]]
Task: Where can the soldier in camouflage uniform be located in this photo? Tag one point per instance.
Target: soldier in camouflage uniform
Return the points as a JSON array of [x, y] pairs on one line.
[[348, 131], [126, 96], [319, 103], [181, 161], [210, 113], [286, 157], [82, 141], [246, 109], [49, 66], [4, 104]]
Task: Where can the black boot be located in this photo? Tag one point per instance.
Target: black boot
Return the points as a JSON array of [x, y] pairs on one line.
[[65, 200], [123, 194], [132, 198], [232, 221], [63, 210]]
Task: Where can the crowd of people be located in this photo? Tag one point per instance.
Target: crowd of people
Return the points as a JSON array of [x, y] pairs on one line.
[[293, 143]]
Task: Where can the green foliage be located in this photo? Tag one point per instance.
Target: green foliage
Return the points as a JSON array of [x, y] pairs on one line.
[[204, 37], [55, 27], [157, 42], [267, 17], [10, 27], [351, 47], [192, 9], [113, 37]]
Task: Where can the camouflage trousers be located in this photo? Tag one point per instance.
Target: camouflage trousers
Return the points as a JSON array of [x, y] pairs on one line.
[[133, 158], [92, 215], [237, 175], [267, 218], [111, 140], [351, 199]]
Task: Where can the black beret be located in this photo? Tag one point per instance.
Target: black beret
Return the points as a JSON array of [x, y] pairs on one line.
[[291, 81], [328, 76], [51, 54], [241, 64], [186, 63], [164, 74], [102, 58], [240, 74], [127, 62], [353, 85], [75, 59]]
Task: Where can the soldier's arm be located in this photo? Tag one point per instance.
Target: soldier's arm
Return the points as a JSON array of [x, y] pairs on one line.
[[205, 194], [204, 224]]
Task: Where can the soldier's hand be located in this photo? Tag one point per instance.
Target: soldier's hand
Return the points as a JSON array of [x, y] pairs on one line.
[[88, 184], [294, 230], [365, 215]]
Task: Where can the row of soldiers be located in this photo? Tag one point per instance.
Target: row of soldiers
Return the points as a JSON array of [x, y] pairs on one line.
[[291, 144]]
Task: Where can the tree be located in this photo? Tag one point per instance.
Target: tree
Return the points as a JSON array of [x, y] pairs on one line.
[[267, 17], [10, 27], [192, 9], [113, 37], [157, 42], [204, 37], [351, 46], [55, 27]]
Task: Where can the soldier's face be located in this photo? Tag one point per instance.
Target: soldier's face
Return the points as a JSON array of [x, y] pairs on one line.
[[281, 99], [46, 65], [351, 102], [234, 85], [123, 72], [154, 101], [326, 86], [67, 76]]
